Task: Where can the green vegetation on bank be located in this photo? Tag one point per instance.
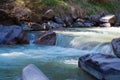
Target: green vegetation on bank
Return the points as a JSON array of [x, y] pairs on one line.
[[92, 7]]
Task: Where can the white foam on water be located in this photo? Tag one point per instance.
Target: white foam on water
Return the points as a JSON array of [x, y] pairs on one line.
[[13, 54], [71, 61]]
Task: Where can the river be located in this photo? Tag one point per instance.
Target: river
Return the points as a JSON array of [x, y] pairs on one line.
[[58, 62]]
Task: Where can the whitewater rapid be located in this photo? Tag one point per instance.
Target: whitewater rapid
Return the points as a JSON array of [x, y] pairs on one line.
[[58, 62]]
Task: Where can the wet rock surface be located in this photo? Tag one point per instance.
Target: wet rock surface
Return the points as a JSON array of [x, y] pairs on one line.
[[47, 38], [101, 66], [116, 46], [11, 35]]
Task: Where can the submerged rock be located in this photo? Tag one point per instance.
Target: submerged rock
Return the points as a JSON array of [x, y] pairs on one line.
[[31, 72], [47, 38], [116, 46], [12, 35], [101, 66]]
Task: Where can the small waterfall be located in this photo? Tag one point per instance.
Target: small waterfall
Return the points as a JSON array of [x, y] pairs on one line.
[[91, 40], [32, 36], [105, 48], [75, 42]]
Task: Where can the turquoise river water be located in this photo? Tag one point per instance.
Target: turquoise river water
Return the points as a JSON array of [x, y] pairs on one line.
[[58, 62]]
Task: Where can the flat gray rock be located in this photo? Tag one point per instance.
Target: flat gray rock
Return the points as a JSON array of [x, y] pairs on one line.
[[101, 66]]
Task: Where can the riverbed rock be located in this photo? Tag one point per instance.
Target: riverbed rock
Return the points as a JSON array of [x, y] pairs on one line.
[[95, 19], [68, 21], [88, 24], [116, 46], [37, 27], [47, 38], [54, 25], [78, 24], [25, 27], [10, 35], [105, 25], [101, 66], [58, 20], [31, 72], [108, 19]]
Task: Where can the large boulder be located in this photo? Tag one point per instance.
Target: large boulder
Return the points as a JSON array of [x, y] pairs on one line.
[[47, 38], [12, 35], [101, 66], [116, 46], [108, 19]]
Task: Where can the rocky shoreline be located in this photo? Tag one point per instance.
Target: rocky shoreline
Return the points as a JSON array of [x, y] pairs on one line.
[[50, 20]]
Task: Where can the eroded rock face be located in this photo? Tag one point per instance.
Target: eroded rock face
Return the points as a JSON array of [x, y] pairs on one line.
[[47, 38], [116, 46], [10, 35], [101, 66]]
